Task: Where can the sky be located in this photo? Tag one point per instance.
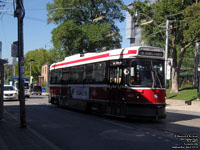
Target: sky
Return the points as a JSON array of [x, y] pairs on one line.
[[37, 33]]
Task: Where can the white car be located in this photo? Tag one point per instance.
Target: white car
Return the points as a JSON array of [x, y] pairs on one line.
[[27, 92], [10, 93]]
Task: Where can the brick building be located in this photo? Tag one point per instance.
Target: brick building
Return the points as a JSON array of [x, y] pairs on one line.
[[44, 74]]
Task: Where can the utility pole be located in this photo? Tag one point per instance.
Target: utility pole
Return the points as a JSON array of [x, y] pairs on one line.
[[166, 49], [197, 69], [20, 13]]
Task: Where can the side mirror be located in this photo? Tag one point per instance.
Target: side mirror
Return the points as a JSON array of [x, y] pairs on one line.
[[126, 71]]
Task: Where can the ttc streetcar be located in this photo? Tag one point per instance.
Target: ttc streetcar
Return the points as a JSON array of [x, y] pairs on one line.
[[128, 82]]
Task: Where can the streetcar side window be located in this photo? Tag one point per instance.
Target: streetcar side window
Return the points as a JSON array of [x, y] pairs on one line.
[[99, 72], [74, 75], [80, 74], [132, 75], [66, 76], [55, 77], [89, 73]]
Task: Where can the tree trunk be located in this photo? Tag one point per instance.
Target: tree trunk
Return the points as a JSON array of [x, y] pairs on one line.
[[175, 87], [175, 69], [177, 65]]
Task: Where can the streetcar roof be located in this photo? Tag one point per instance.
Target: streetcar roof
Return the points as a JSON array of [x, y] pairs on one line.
[[122, 53]]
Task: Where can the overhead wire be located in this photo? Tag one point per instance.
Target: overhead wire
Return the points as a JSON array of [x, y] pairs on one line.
[[5, 8], [44, 21]]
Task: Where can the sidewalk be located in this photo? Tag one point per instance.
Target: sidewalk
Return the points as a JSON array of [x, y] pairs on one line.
[[12, 137], [182, 105]]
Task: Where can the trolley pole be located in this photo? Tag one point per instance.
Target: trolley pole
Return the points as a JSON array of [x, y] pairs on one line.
[[20, 13]]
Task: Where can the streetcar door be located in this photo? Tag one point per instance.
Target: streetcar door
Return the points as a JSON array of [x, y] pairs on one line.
[[115, 90]]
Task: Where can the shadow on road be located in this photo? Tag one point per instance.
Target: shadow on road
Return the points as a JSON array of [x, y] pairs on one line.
[[59, 124], [174, 123]]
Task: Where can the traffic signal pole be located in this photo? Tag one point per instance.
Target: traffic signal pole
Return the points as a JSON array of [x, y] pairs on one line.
[[20, 13]]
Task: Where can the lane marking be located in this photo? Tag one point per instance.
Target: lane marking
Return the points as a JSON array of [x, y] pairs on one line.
[[118, 124], [148, 133], [42, 138]]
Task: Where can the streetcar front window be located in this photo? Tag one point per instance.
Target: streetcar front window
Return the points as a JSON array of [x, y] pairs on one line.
[[149, 73]]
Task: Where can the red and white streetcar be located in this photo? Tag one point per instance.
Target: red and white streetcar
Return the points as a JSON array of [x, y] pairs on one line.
[[121, 82]]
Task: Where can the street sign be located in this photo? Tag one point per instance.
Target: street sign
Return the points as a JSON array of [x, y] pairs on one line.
[[168, 70], [14, 49]]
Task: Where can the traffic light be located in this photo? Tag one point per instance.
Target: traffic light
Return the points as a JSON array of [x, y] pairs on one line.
[[14, 49]]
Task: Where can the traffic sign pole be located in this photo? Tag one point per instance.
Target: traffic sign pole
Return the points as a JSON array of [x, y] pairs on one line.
[[20, 13]]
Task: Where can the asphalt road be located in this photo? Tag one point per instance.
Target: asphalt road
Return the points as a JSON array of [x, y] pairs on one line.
[[64, 129]]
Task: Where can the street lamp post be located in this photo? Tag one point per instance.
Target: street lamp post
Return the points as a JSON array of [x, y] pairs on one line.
[[31, 71]]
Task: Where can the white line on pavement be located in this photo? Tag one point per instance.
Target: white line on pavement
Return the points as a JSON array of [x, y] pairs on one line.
[[118, 124]]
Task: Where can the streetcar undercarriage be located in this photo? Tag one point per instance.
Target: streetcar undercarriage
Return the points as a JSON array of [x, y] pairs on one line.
[[154, 111]]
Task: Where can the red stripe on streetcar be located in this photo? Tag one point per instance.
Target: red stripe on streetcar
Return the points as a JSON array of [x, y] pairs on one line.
[[132, 52], [129, 52], [81, 60], [94, 57]]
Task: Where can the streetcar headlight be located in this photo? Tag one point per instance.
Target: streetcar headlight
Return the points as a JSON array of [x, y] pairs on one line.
[[156, 96]]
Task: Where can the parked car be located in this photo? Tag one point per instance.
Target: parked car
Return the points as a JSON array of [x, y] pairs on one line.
[[37, 90], [27, 91], [10, 93]]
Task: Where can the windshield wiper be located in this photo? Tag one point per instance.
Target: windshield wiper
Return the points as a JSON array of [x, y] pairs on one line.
[[158, 78], [154, 76]]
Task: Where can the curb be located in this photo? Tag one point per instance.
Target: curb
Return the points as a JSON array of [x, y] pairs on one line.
[[182, 102], [182, 105]]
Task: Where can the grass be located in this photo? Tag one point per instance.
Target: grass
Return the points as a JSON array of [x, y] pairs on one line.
[[183, 94]]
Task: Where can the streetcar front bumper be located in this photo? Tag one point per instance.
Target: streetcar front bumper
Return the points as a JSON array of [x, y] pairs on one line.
[[157, 110]]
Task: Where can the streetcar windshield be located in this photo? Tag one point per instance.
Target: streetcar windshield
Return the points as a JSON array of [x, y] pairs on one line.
[[148, 73]]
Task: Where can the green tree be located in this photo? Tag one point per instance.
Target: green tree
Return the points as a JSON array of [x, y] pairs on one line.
[[184, 32], [55, 55], [8, 73], [77, 32], [34, 61]]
